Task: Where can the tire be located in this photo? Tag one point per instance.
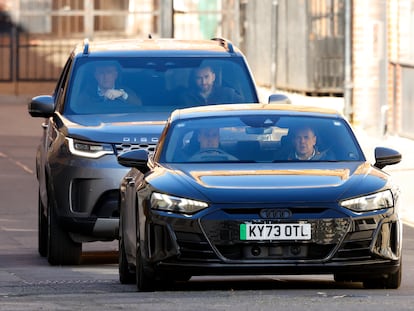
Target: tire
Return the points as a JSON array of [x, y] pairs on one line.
[[61, 249], [42, 229], [393, 281], [145, 275], [125, 274]]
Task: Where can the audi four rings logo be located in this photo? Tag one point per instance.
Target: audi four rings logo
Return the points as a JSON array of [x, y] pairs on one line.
[[275, 213]]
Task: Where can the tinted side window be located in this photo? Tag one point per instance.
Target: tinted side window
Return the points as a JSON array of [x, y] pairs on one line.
[[61, 86]]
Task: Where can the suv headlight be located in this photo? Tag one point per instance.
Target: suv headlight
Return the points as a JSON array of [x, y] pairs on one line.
[[170, 203], [375, 201], [89, 149]]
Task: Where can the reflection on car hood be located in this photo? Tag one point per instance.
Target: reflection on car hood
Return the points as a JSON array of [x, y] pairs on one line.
[[116, 128], [315, 182]]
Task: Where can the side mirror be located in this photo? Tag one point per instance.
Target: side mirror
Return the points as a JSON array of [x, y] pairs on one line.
[[41, 106], [279, 99], [135, 158], [386, 156]]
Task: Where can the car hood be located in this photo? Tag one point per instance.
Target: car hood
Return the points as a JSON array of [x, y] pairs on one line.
[[271, 182], [116, 128]]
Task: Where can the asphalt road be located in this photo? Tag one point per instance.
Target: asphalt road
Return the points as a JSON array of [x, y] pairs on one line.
[[27, 282]]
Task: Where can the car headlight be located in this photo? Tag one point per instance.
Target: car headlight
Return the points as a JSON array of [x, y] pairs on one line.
[[88, 149], [170, 203], [375, 201]]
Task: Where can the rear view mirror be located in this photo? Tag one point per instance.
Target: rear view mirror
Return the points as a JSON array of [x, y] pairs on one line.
[[258, 130]]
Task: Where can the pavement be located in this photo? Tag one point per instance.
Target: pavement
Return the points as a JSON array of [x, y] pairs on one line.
[[15, 121]]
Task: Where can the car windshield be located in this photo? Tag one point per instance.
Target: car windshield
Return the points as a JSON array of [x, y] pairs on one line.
[[260, 138], [154, 84]]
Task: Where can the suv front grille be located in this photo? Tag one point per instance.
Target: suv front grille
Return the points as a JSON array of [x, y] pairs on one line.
[[121, 148]]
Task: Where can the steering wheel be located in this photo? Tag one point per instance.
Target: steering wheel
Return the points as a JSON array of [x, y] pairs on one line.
[[212, 153]]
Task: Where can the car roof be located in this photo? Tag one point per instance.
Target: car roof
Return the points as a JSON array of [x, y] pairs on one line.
[[157, 47], [248, 109]]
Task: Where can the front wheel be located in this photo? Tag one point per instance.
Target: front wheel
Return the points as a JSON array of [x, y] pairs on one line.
[[145, 275], [61, 249], [392, 281], [125, 274], [42, 229]]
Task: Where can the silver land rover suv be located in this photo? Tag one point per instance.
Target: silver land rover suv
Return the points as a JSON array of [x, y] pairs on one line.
[[112, 97]]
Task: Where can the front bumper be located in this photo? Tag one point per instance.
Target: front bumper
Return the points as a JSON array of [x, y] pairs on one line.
[[211, 244], [91, 228], [86, 196]]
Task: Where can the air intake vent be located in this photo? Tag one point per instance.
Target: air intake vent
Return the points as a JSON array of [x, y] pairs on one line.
[[121, 148]]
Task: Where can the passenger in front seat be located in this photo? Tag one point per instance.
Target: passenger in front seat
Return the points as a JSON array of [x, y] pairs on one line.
[[304, 142], [207, 92]]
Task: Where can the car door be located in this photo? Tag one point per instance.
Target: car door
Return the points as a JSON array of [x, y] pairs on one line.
[[49, 134]]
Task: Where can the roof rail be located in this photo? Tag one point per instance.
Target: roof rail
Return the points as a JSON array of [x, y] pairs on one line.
[[86, 46], [225, 43]]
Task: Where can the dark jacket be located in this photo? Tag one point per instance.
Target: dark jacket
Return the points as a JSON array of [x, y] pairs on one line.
[[219, 95], [325, 155]]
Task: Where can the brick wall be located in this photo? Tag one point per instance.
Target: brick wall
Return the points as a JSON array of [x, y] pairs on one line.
[[369, 64]]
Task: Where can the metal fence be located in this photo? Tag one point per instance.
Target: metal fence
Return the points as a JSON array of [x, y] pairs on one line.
[[205, 19], [36, 36], [304, 56], [302, 41], [6, 52]]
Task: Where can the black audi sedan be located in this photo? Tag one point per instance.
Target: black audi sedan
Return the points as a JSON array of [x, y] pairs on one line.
[[259, 189]]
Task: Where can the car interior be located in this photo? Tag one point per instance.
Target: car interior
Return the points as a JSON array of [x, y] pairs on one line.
[[158, 82], [272, 144]]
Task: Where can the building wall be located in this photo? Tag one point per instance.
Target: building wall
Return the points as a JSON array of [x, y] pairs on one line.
[[400, 50], [369, 65]]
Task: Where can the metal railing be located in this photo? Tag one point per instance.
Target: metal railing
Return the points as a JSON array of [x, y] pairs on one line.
[[40, 34]]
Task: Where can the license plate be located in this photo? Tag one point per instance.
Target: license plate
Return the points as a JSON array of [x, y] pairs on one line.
[[263, 232]]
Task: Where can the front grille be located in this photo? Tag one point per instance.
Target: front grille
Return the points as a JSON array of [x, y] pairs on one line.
[[193, 246], [121, 148], [326, 234], [355, 246], [324, 231]]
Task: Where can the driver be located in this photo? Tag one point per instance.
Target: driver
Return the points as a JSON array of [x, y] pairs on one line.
[[108, 90], [209, 140]]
